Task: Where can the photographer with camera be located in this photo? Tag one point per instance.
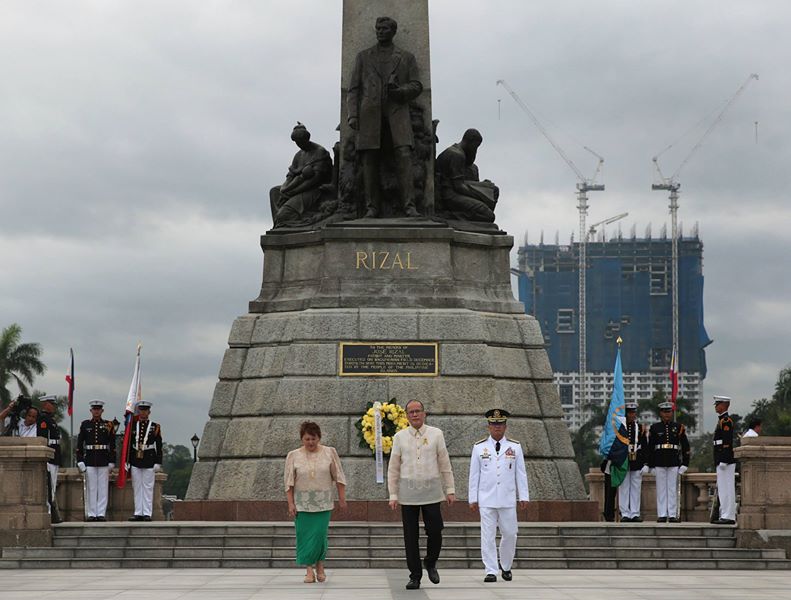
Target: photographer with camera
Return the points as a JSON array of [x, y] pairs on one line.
[[12, 415]]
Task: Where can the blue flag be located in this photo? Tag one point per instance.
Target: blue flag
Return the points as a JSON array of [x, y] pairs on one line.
[[614, 442]]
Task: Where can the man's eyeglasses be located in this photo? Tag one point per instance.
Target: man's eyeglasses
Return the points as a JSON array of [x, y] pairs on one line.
[[414, 412]]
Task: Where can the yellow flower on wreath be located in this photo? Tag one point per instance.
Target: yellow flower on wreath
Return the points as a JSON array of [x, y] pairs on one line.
[[393, 420]]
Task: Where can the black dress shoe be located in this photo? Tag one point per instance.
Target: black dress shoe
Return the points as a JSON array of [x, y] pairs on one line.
[[135, 518], [725, 522], [507, 576], [490, 578], [146, 518], [662, 520], [637, 519], [101, 519], [433, 575], [414, 584], [626, 519], [92, 519], [674, 520]]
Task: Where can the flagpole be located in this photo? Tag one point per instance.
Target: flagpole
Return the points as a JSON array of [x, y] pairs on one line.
[[71, 440]]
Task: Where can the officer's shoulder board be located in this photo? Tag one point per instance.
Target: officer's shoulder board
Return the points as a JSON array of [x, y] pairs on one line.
[[481, 441], [514, 441]]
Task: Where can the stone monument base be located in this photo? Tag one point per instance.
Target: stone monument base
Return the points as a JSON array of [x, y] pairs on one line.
[[404, 285]]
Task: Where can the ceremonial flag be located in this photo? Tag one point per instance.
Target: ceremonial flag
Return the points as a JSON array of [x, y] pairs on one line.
[[674, 379], [614, 442], [132, 399], [70, 381]]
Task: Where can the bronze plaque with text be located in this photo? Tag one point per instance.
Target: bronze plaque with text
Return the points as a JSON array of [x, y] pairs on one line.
[[405, 359]]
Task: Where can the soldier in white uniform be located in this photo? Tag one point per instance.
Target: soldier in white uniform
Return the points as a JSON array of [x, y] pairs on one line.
[[497, 477]]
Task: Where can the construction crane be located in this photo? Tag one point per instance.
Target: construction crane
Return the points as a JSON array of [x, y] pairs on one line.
[[592, 230], [672, 185], [584, 185]]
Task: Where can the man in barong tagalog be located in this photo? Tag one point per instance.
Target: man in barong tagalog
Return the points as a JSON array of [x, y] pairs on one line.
[[384, 81], [301, 192]]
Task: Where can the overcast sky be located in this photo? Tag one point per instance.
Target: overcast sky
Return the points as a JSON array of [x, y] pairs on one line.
[[138, 141]]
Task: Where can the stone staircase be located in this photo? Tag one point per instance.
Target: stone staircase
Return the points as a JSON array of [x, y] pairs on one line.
[[380, 545]]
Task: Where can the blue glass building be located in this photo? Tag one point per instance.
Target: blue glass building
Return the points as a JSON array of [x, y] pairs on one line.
[[628, 295]]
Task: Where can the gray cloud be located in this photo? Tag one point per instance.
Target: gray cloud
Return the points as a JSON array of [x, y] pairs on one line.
[[138, 142]]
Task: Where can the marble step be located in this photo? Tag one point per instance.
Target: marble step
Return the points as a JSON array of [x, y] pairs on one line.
[[598, 563]]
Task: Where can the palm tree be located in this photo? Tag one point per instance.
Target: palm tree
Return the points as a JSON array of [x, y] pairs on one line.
[[18, 362], [782, 393]]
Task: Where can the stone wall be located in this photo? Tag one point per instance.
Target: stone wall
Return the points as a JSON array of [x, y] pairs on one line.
[[696, 495], [766, 483], [24, 520], [120, 505]]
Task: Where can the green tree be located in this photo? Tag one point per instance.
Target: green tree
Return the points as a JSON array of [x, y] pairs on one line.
[[585, 440], [775, 413], [18, 362], [177, 463]]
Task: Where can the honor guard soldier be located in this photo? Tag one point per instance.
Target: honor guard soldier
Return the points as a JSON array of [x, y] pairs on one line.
[[668, 458], [725, 462], [49, 429], [497, 478], [95, 458], [629, 491], [144, 459]]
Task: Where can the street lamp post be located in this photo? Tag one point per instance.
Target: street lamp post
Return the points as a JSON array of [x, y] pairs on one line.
[[195, 439]]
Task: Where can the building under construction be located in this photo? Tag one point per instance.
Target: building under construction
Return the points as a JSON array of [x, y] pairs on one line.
[[629, 294]]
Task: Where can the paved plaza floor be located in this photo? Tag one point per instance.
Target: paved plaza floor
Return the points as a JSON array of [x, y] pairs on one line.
[[387, 584]]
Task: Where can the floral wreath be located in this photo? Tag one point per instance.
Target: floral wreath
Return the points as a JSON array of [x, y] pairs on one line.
[[393, 420]]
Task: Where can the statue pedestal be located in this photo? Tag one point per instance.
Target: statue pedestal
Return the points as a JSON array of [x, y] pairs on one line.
[[766, 483], [384, 284], [24, 520]]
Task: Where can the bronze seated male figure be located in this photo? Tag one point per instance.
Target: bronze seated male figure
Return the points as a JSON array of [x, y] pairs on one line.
[[461, 193]]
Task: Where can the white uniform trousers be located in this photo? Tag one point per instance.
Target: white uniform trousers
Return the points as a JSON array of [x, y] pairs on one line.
[[666, 498], [143, 486], [726, 490], [52, 471], [629, 494], [97, 481], [491, 519]]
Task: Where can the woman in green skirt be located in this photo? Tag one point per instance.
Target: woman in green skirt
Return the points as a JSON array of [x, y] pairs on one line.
[[311, 473]]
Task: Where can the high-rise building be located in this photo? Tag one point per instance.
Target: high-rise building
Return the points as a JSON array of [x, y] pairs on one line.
[[628, 295]]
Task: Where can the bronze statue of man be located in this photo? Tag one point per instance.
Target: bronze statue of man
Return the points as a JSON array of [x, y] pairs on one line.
[[460, 191], [306, 181], [383, 82]]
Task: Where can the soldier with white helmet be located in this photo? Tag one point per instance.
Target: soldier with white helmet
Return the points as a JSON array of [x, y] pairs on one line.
[[725, 462], [144, 459], [95, 458], [497, 478], [629, 491]]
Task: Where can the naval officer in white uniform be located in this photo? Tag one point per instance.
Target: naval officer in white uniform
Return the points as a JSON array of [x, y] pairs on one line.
[[497, 478]]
